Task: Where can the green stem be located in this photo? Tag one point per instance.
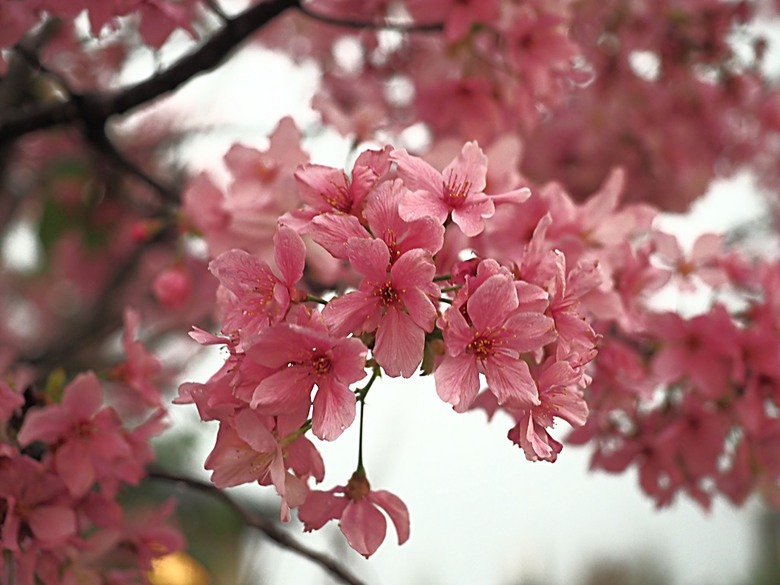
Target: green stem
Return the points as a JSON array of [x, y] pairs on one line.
[[451, 288], [442, 277], [313, 299], [443, 300], [305, 428], [362, 392], [360, 467], [361, 396]]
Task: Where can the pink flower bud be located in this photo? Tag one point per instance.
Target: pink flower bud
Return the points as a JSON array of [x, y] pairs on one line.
[[172, 288]]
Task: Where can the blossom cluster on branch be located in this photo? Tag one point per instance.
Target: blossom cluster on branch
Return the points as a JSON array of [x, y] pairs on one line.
[[66, 455], [493, 229]]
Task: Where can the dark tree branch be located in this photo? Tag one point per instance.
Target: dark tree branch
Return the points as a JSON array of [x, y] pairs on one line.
[[95, 133], [101, 107], [381, 25], [266, 527]]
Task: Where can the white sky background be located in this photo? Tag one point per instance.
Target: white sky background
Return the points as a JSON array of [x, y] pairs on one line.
[[481, 514]]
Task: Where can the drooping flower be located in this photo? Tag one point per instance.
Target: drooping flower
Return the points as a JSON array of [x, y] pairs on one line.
[[559, 397], [357, 507], [247, 450]]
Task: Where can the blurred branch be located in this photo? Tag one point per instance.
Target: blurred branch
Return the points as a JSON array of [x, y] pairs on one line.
[[99, 107], [95, 133], [362, 24], [14, 88], [103, 318], [265, 526]]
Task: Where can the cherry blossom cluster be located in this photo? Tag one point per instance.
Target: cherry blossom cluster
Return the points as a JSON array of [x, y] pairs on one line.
[[500, 282], [65, 455], [157, 19], [668, 94], [399, 227], [693, 402]]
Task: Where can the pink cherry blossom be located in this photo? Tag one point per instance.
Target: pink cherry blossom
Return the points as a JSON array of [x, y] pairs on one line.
[[559, 397], [141, 371], [35, 504], [491, 342], [302, 357], [253, 295], [326, 189], [247, 449], [703, 349], [458, 190], [88, 438], [357, 507], [394, 300]]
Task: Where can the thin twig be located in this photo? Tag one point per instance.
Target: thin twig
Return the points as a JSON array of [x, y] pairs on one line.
[[266, 527], [101, 107], [363, 24], [95, 133]]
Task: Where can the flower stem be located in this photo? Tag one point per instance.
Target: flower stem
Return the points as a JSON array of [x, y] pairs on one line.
[[361, 396], [313, 299], [442, 277], [360, 468]]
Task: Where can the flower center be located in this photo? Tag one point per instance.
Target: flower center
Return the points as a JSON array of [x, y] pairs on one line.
[[482, 347], [84, 429], [456, 191], [321, 365], [387, 294], [338, 196]]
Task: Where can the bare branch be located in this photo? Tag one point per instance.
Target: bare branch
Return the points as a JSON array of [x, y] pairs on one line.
[[376, 25], [95, 133], [101, 107], [268, 528]]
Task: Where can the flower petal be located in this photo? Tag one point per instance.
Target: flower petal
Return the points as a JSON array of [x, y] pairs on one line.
[[333, 410], [457, 381], [490, 304], [396, 509], [370, 257], [364, 527], [290, 254], [282, 392], [399, 344], [355, 312], [510, 380]]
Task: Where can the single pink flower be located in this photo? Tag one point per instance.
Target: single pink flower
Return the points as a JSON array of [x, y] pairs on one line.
[[89, 439], [35, 503], [141, 371], [458, 190], [559, 397], [253, 296], [357, 507], [704, 349], [491, 342], [395, 302], [329, 190], [301, 358], [247, 449]]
